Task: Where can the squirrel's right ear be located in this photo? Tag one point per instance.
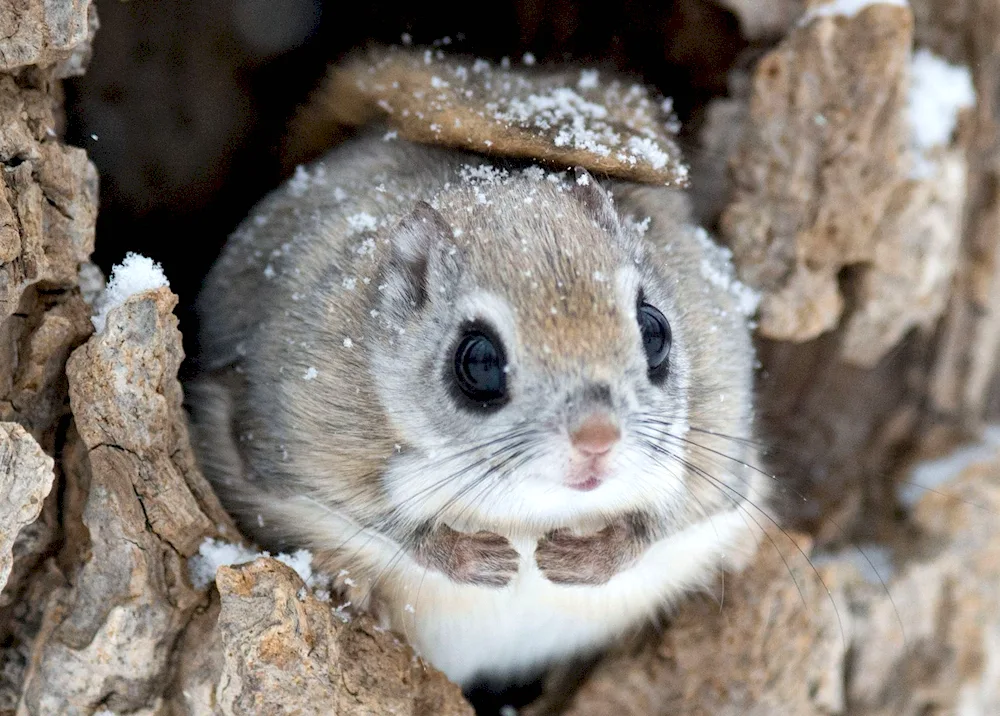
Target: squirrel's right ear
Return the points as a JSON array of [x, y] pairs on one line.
[[413, 243]]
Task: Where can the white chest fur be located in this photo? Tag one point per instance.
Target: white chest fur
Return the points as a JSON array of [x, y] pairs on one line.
[[470, 632]]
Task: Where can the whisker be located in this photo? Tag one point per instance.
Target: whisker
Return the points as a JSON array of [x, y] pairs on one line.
[[696, 470], [777, 449], [717, 452], [840, 529], [489, 473], [485, 484], [948, 496], [382, 573], [705, 512], [393, 521], [430, 490]]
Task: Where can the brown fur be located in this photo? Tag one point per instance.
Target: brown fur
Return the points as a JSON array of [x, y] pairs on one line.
[[566, 558], [482, 558], [398, 86], [586, 326]]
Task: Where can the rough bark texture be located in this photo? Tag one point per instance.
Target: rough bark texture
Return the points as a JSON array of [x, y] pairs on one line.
[[278, 641], [124, 629], [820, 184], [46, 34], [927, 641], [879, 331], [106, 639], [48, 205], [25, 480], [865, 250], [97, 610]]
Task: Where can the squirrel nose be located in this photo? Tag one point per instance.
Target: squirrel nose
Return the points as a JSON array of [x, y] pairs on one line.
[[596, 435]]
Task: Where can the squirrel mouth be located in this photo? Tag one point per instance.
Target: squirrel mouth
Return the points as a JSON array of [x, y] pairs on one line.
[[587, 476], [587, 485]]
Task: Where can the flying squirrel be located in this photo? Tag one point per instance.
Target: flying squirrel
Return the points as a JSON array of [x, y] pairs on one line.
[[513, 405]]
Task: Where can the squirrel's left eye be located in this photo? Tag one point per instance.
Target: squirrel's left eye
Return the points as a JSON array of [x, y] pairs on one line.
[[655, 337]]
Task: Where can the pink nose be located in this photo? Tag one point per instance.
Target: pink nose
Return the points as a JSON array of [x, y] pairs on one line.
[[596, 436]]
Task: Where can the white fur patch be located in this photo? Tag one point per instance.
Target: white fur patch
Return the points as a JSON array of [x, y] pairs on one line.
[[469, 631]]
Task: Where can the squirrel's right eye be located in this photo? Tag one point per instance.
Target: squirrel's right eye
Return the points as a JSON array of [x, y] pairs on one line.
[[480, 369], [655, 330]]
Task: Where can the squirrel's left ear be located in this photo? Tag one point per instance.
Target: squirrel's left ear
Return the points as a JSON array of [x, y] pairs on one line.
[[414, 240], [595, 199]]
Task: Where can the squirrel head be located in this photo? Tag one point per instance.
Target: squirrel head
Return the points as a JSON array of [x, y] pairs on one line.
[[532, 355]]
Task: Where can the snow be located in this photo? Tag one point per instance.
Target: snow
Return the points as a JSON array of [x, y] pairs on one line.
[[588, 79], [717, 269], [647, 149], [933, 474], [213, 554], [133, 275], [483, 173], [844, 8], [612, 120], [361, 222], [310, 373], [938, 91], [299, 182], [640, 227], [301, 561], [579, 120], [91, 283], [366, 248]]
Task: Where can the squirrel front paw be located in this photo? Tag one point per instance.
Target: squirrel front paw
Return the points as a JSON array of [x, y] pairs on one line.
[[482, 558], [566, 558]]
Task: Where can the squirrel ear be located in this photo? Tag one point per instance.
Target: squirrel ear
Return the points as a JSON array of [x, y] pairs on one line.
[[413, 242], [595, 199]]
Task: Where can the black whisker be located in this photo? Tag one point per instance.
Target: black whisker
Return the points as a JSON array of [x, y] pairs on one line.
[[871, 564], [518, 453], [696, 470]]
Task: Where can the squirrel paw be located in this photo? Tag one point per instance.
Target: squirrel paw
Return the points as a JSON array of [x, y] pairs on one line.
[[565, 558], [482, 558]]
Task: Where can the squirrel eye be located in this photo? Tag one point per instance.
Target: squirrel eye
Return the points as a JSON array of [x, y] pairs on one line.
[[655, 337], [479, 369]]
